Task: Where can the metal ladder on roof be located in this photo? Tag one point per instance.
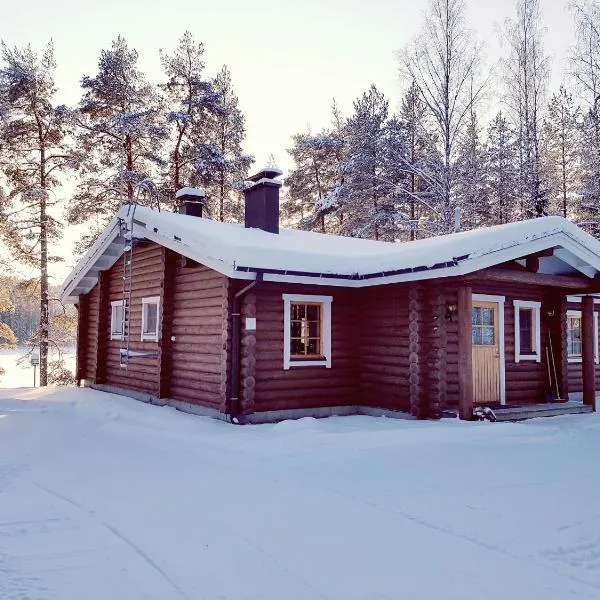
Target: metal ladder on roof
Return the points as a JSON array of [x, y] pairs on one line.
[[126, 231]]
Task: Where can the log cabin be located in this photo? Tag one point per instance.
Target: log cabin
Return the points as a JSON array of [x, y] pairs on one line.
[[253, 323]]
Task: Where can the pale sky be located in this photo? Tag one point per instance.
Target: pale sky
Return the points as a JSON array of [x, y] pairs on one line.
[[288, 59]]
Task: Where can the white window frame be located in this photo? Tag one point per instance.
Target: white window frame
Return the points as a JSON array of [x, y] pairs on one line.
[[150, 337], [537, 334], [325, 301], [114, 335], [578, 359]]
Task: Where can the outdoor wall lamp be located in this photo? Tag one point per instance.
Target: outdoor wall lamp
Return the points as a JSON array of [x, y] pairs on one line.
[[451, 308]]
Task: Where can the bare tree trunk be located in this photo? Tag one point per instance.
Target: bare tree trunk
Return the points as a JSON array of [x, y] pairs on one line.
[[44, 309]]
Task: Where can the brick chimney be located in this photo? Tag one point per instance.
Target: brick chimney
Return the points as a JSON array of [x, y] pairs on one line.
[[262, 200], [191, 201]]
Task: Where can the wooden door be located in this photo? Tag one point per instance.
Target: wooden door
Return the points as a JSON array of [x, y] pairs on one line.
[[486, 354]]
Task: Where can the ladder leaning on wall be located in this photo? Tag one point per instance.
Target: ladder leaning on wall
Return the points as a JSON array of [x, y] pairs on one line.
[[127, 233]]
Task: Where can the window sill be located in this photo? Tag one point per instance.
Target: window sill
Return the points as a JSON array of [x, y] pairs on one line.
[[116, 336], [149, 338], [533, 357], [574, 359], [308, 363]]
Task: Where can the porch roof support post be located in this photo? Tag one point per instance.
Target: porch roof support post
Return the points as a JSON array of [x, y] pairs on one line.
[[587, 351], [465, 353]]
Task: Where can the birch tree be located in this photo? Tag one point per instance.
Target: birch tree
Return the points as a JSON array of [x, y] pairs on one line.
[[585, 72], [34, 153], [443, 61]]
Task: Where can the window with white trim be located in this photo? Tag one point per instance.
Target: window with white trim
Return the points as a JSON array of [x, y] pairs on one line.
[[307, 330], [574, 337], [150, 318], [116, 319], [527, 330]]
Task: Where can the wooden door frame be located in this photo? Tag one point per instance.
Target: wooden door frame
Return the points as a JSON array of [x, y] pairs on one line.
[[500, 300]]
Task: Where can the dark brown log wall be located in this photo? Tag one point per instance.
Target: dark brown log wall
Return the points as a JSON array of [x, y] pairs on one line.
[[273, 388], [200, 328], [386, 375], [87, 342], [575, 369], [526, 381], [141, 373]]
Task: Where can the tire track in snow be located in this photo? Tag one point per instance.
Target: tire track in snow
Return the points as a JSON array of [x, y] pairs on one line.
[[457, 534], [124, 539]]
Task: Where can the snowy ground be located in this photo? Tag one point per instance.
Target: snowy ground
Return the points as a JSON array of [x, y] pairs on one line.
[[21, 375], [105, 497]]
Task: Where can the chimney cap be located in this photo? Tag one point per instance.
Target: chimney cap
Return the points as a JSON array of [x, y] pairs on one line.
[[190, 191], [266, 173]]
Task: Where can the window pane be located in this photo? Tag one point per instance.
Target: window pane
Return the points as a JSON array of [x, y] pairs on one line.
[[298, 311], [296, 329], [526, 331], [314, 328], [488, 336], [314, 347], [296, 347], [477, 336], [151, 318], [313, 312], [117, 319], [488, 316], [476, 315]]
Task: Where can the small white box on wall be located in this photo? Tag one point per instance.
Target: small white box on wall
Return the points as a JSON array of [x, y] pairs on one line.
[[250, 323]]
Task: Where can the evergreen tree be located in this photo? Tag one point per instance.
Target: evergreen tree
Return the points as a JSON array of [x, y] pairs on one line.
[[121, 133], [422, 168], [526, 69], [470, 175], [501, 172], [193, 105], [313, 179], [35, 151], [231, 168], [369, 193], [562, 153]]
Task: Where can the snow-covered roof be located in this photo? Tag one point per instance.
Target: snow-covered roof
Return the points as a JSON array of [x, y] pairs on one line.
[[190, 191], [323, 259]]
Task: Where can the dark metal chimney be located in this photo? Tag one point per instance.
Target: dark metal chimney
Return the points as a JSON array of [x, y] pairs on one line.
[[262, 201], [191, 201]]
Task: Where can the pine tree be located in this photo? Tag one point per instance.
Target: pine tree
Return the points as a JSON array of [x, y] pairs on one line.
[[470, 175], [228, 134], [313, 180], [526, 69], [370, 189], [501, 172], [34, 152], [422, 166], [562, 153], [193, 106], [121, 133]]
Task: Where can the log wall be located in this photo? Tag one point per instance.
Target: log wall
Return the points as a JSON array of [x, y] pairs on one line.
[[270, 387], [575, 369], [200, 327], [87, 340], [141, 373]]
